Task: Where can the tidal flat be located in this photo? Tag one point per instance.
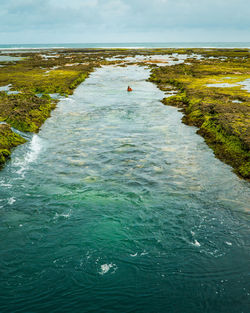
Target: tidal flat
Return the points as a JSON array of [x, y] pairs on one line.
[[210, 86]]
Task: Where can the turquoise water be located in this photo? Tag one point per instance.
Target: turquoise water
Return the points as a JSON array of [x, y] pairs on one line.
[[131, 45], [116, 206]]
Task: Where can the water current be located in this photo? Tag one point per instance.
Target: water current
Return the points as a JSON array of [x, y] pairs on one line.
[[116, 206]]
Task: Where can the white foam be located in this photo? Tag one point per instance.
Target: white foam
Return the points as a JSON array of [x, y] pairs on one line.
[[105, 268], [196, 243], [133, 255], [34, 150], [65, 215], [3, 184], [11, 200]]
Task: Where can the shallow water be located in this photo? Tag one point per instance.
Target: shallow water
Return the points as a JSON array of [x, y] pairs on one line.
[[7, 58], [116, 206], [245, 84], [167, 59], [7, 89], [221, 85]]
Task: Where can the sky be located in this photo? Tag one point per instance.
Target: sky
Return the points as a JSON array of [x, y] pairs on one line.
[[92, 21]]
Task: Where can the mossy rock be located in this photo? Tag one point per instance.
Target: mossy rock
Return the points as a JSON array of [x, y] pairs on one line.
[[8, 140]]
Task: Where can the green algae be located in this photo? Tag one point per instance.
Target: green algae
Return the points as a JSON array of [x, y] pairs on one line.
[[25, 112], [8, 140]]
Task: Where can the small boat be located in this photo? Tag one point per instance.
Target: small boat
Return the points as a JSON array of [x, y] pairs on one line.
[[129, 88]]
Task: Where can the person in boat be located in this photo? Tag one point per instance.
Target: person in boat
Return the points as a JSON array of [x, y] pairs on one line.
[[129, 88]]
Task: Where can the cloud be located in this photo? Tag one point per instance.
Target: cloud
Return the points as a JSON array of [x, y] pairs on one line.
[[114, 18]]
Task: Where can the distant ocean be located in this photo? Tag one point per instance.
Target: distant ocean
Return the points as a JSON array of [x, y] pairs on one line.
[[130, 45]]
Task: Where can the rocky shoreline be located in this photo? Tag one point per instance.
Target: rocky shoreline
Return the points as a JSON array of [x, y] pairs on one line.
[[209, 85]]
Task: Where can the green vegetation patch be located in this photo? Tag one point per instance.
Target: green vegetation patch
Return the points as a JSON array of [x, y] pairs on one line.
[[25, 112], [8, 140]]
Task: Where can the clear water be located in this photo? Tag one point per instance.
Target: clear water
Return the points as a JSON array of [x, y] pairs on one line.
[[116, 206]]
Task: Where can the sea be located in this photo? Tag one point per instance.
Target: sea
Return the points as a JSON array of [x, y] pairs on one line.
[[129, 45]]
